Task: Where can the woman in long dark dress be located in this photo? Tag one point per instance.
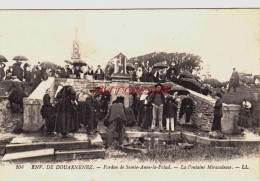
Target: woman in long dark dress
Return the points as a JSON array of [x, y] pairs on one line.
[[48, 112], [16, 90], [66, 109], [145, 114]]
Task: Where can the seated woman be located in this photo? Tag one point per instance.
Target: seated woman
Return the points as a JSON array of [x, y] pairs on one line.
[[48, 112]]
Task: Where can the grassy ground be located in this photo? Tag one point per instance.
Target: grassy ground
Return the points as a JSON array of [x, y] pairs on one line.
[[197, 153]]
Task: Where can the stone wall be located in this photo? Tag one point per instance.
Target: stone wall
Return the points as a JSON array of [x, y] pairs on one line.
[[202, 116], [79, 84]]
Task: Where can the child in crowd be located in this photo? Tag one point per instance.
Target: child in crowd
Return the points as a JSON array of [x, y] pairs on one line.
[[171, 112]]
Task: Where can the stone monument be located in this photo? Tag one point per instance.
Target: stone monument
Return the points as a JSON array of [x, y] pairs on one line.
[[120, 79], [75, 55]]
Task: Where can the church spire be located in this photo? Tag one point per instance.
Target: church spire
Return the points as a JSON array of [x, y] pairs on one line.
[[75, 50]]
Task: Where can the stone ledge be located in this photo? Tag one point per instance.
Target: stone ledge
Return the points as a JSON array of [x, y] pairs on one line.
[[128, 149], [79, 154], [137, 134], [29, 101], [39, 155], [68, 145], [96, 141], [231, 107], [217, 142], [11, 148]]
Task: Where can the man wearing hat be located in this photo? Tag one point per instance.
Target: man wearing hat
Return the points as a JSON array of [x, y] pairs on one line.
[[216, 125], [157, 99], [234, 80], [116, 119], [186, 109], [99, 74]]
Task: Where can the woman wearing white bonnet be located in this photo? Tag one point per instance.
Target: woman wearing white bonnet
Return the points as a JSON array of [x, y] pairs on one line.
[[244, 119], [67, 115]]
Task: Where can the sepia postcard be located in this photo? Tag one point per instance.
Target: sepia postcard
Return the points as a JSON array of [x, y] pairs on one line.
[[129, 94]]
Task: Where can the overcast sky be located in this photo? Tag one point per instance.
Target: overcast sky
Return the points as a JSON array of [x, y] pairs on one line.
[[223, 38]]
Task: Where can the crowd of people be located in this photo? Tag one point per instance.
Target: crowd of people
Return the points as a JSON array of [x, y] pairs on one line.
[[151, 110], [69, 111], [79, 72], [37, 73]]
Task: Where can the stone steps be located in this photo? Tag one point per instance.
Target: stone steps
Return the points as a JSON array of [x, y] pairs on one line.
[[45, 155], [23, 149], [79, 154], [36, 155], [21, 144]]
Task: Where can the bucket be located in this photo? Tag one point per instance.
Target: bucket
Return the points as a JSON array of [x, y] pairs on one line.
[[255, 97]]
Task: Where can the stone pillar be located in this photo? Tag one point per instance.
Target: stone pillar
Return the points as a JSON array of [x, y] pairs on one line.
[[120, 88], [230, 118], [32, 105], [32, 117]]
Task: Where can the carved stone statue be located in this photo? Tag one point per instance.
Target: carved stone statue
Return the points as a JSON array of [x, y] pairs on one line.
[[75, 51]]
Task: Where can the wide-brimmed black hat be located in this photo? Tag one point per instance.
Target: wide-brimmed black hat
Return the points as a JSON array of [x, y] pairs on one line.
[[218, 95], [120, 99]]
